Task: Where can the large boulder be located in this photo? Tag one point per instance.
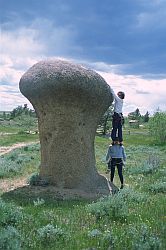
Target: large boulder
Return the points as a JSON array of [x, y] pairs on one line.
[[69, 101]]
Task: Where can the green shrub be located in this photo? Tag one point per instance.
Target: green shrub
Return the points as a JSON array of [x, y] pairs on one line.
[[10, 214], [159, 187], [157, 126], [18, 158], [17, 161], [94, 233], [111, 206], [132, 196], [32, 147], [13, 163], [38, 202], [116, 206], [10, 239], [35, 180], [8, 168], [105, 239], [146, 166], [143, 239], [50, 233]]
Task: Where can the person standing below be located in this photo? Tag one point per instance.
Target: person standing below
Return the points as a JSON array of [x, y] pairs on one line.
[[116, 156], [118, 119]]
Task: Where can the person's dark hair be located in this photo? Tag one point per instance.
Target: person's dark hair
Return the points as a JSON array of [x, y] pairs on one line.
[[121, 94], [116, 139]]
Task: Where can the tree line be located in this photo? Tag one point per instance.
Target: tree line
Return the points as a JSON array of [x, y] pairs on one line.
[[17, 112]]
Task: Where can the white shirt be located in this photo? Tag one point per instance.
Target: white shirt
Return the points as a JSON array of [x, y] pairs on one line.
[[118, 102]]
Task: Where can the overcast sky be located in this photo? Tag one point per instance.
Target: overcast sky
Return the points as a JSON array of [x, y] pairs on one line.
[[123, 40]]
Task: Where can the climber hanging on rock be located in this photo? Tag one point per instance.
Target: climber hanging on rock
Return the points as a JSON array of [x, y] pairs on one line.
[[118, 119]]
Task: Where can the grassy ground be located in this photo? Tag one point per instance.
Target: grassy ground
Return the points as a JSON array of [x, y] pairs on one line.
[[10, 139], [14, 131], [132, 219]]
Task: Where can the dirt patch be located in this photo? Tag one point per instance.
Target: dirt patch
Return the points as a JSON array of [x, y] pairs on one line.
[[19, 189], [31, 193], [7, 185], [5, 150]]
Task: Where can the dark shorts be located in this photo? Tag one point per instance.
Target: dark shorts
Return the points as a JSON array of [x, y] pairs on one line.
[[115, 162], [118, 118]]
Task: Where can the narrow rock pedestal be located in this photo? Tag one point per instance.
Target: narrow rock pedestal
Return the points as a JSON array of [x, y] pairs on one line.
[[69, 101]]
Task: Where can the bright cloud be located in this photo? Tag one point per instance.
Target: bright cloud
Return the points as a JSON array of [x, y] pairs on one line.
[[21, 41], [10, 97], [25, 46], [20, 50]]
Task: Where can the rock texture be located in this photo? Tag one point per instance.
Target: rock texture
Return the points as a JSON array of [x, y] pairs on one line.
[[69, 101]]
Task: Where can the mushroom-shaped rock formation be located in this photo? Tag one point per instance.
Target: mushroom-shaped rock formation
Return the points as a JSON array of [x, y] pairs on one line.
[[69, 101]]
